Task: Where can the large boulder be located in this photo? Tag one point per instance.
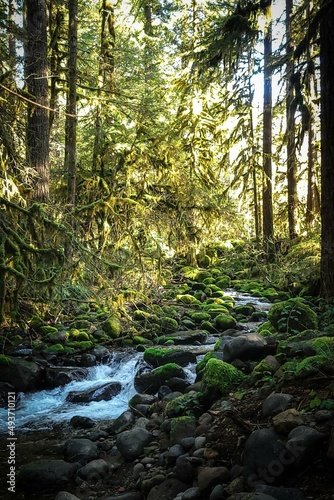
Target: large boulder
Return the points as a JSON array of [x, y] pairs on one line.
[[23, 375], [56, 376], [250, 346], [151, 381], [185, 337], [160, 357], [131, 443], [44, 475], [103, 393], [80, 450], [219, 378], [292, 316]]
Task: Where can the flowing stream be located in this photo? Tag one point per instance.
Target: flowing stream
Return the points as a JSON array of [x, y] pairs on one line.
[[42, 409]]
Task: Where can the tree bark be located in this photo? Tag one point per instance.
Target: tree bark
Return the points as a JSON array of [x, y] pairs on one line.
[[71, 108], [36, 75], [327, 148], [268, 224], [291, 128]]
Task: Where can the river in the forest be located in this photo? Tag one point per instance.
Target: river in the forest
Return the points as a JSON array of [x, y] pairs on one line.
[[43, 409]]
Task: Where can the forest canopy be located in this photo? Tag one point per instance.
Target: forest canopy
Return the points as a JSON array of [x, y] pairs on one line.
[[134, 132]]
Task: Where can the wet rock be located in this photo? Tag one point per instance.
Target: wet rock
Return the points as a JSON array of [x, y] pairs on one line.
[[56, 376], [280, 493], [305, 443], [80, 450], [186, 337], [182, 428], [131, 443], [151, 381], [173, 453], [101, 353], [87, 360], [263, 458], [208, 477], [79, 422], [44, 475], [122, 423], [103, 393], [64, 495], [167, 490], [217, 493], [23, 375], [184, 470], [251, 346], [276, 403], [190, 494], [5, 388], [159, 357], [94, 471], [287, 420]]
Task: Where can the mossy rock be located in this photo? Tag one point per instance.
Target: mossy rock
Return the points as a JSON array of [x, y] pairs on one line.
[[36, 322], [138, 340], [150, 382], [169, 325], [244, 310], [315, 364], [208, 326], [202, 275], [182, 427], [224, 322], [58, 337], [170, 311], [292, 316], [204, 261], [5, 360], [78, 335], [145, 317], [54, 349], [81, 324], [259, 316], [182, 289], [217, 301], [218, 294], [82, 345], [209, 281], [221, 377], [187, 323], [112, 327], [189, 272], [47, 330], [209, 355], [224, 282], [188, 299], [266, 329], [159, 357], [188, 404], [200, 316]]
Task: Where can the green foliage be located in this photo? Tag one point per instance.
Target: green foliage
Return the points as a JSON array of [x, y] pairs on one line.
[[5, 360], [186, 405], [292, 316]]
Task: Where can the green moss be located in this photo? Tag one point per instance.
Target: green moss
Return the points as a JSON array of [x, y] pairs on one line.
[[208, 326], [209, 281], [221, 377], [224, 282], [202, 364], [314, 364], [154, 356], [170, 311], [167, 371], [5, 360], [46, 330], [81, 323], [188, 299], [36, 322], [198, 317], [81, 345], [137, 339], [266, 329], [245, 310], [202, 275], [112, 327], [188, 324], [169, 324], [79, 335], [224, 322], [54, 349], [292, 316]]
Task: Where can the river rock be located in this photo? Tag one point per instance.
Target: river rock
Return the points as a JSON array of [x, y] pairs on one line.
[[186, 337], [80, 450], [184, 470], [131, 443], [250, 346], [159, 357], [130, 495], [167, 490], [65, 495], [208, 477], [94, 471], [276, 403], [23, 375], [151, 381], [263, 457], [46, 475], [287, 420], [5, 388], [304, 443], [103, 393], [56, 376], [122, 423], [280, 493], [79, 422]]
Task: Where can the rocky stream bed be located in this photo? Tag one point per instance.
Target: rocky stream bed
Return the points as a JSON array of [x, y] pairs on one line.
[[223, 406]]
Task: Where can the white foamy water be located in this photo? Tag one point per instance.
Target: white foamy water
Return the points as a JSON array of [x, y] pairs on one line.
[[38, 410]]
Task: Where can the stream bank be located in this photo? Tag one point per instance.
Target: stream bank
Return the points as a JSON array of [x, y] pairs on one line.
[[217, 438]]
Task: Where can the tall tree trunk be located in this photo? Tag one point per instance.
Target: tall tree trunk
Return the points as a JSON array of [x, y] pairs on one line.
[[327, 148], [71, 108], [291, 129], [36, 74], [105, 81], [253, 150], [268, 224]]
